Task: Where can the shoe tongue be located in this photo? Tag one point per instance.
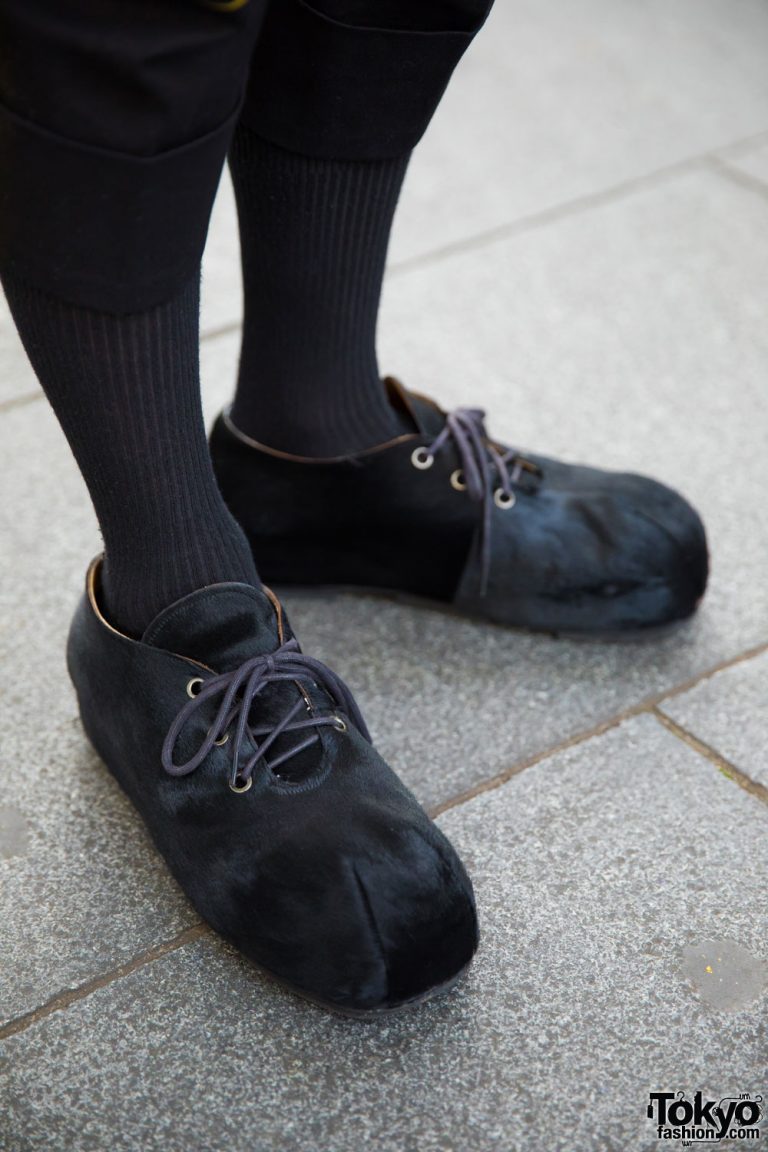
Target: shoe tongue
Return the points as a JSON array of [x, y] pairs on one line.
[[425, 415], [219, 626], [429, 416]]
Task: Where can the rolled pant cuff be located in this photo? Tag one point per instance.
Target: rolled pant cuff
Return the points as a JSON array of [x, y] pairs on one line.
[[339, 91], [104, 229]]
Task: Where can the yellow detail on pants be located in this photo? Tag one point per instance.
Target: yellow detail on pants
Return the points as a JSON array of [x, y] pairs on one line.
[[225, 5]]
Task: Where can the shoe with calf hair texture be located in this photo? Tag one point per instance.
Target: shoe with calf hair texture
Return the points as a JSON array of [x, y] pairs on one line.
[[447, 515], [254, 771]]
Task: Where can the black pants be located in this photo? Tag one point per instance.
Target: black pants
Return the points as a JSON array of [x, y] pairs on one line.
[[116, 117]]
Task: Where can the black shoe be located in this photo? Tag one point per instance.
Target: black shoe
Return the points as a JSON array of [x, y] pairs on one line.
[[448, 515], [254, 771]]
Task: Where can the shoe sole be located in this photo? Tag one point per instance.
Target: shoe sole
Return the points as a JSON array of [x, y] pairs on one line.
[[367, 1014], [651, 632]]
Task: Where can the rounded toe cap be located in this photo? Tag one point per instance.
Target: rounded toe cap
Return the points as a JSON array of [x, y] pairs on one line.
[[423, 916], [364, 928], [673, 546], [624, 552], [592, 552]]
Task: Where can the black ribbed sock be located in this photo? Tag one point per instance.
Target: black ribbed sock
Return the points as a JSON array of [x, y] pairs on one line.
[[314, 239], [127, 394]]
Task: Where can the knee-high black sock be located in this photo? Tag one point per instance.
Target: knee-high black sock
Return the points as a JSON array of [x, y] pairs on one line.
[[126, 392], [314, 236]]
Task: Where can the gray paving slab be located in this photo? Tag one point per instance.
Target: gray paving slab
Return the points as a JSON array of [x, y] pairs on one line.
[[730, 713], [86, 892], [555, 101], [47, 529], [82, 890], [609, 880]]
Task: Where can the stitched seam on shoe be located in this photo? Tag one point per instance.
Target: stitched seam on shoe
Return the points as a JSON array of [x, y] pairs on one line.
[[95, 608], [151, 633], [373, 925]]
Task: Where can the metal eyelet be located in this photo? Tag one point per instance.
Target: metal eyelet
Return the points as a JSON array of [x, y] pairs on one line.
[[422, 459], [457, 480], [222, 740], [194, 685], [245, 787], [339, 724], [504, 499]]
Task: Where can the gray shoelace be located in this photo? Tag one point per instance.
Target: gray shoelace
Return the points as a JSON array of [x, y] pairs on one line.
[[481, 461], [239, 690]]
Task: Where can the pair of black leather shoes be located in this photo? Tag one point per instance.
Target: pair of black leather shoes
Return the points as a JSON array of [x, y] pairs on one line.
[[250, 761]]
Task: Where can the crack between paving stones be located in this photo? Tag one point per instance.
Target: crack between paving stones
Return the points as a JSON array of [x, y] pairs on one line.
[[742, 146], [727, 767], [738, 176], [532, 221], [645, 707], [72, 995], [707, 161]]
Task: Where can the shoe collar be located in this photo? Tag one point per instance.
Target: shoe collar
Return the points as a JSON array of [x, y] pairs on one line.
[[216, 627], [426, 416]]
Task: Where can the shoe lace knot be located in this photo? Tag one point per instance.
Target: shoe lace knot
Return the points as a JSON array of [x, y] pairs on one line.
[[488, 471], [249, 741]]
